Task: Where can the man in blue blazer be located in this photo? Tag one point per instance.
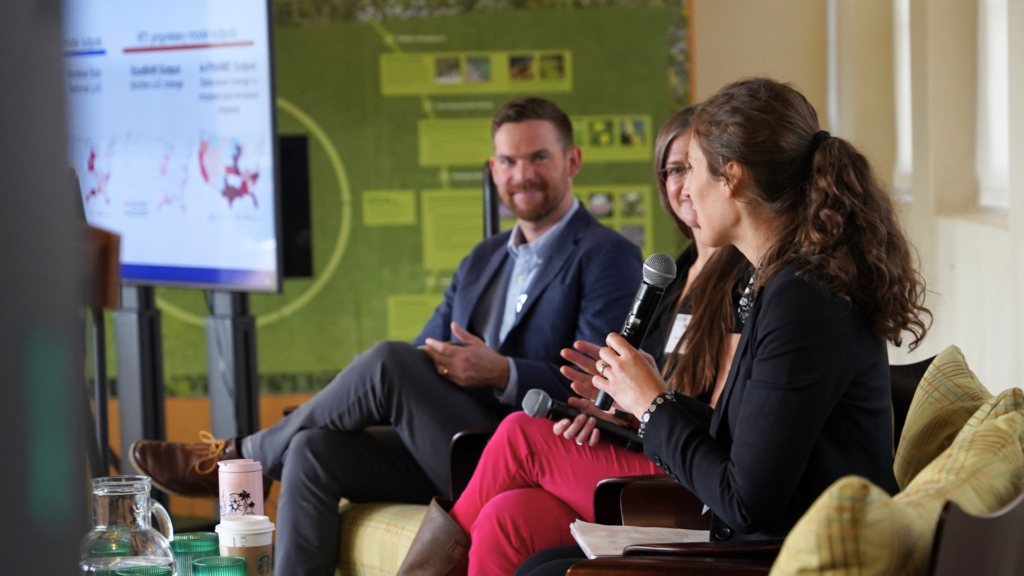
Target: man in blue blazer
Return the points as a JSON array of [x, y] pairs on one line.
[[518, 298]]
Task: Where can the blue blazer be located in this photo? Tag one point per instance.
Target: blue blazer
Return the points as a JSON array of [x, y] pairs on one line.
[[582, 292]]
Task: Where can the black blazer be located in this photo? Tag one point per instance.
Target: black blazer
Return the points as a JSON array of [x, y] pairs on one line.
[[807, 402]]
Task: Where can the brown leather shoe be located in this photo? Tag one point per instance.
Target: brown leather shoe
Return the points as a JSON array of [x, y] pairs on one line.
[[183, 469], [440, 547]]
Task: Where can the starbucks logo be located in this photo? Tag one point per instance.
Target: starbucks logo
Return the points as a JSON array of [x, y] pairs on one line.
[[263, 565]]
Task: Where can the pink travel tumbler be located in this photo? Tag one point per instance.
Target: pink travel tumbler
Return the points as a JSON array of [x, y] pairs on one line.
[[241, 488]]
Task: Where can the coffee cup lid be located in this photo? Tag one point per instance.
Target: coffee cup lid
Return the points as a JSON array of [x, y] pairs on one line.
[[246, 465], [244, 525]]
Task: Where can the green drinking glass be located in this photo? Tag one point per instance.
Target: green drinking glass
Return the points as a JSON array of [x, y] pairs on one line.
[[145, 571], [219, 566], [193, 546]]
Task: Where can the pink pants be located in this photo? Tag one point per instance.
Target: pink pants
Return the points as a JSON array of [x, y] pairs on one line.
[[529, 487]]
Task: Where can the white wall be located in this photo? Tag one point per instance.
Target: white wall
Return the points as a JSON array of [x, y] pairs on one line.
[[865, 112], [973, 305], [737, 38], [1016, 216], [968, 254], [973, 260]]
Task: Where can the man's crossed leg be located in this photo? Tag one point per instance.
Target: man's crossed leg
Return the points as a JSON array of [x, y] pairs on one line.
[[323, 451]]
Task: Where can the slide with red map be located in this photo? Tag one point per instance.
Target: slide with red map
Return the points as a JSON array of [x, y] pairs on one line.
[[170, 117], [235, 178]]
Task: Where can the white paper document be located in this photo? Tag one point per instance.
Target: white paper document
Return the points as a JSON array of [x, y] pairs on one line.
[[599, 540]]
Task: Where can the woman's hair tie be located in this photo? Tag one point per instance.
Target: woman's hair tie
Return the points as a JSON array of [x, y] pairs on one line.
[[818, 139]]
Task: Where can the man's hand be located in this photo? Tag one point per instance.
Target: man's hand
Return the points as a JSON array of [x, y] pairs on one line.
[[473, 365]]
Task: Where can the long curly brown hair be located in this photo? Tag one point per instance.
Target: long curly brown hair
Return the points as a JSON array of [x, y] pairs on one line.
[[830, 211]]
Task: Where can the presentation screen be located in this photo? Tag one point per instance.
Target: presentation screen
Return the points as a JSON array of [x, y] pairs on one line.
[[172, 136]]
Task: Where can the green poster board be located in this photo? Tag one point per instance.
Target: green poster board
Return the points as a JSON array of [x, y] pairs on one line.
[[398, 120]]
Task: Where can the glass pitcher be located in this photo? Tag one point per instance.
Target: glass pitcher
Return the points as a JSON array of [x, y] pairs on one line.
[[122, 535]]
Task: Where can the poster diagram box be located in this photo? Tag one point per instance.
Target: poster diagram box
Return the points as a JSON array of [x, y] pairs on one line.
[[628, 209], [619, 138], [475, 72], [389, 208], [453, 223], [467, 141], [454, 141], [407, 313]]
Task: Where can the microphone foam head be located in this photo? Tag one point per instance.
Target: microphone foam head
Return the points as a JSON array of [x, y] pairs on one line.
[[536, 403], [659, 270]]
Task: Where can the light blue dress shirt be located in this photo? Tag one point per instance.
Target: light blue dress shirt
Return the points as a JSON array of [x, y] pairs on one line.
[[528, 258]]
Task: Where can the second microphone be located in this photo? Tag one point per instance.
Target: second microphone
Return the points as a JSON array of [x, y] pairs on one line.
[[538, 404]]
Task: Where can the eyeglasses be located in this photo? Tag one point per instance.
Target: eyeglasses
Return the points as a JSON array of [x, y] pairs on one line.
[[673, 175]]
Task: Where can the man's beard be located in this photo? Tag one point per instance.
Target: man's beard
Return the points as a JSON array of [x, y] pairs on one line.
[[535, 212]]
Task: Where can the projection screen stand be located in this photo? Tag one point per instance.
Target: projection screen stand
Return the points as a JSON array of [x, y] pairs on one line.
[[140, 369], [231, 363]]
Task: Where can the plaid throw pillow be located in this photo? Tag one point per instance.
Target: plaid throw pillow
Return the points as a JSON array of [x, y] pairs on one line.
[[856, 529], [945, 400], [376, 537]]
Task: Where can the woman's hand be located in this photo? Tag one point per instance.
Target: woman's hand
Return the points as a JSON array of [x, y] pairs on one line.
[[583, 357], [628, 377], [583, 429], [649, 359]]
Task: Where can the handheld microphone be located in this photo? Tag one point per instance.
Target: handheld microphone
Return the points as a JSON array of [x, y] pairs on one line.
[[659, 272], [538, 404]]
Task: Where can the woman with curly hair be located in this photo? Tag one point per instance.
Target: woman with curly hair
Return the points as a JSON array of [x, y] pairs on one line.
[[807, 400]]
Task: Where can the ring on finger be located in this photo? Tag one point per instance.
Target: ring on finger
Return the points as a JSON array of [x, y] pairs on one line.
[[601, 370]]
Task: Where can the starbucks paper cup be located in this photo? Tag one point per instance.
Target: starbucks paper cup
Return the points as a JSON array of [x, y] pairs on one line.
[[252, 538]]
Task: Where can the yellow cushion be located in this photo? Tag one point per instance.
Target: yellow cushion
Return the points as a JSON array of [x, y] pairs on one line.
[[376, 537], [855, 528], [1005, 402], [945, 400]]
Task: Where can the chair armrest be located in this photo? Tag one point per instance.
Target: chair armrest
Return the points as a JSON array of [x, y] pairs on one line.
[[606, 497], [465, 451], [666, 566], [663, 504], [752, 550]]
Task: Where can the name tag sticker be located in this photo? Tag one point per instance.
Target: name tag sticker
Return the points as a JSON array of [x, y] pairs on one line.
[[678, 329]]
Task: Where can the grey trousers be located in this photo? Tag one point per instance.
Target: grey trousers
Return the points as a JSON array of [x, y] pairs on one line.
[[326, 449]]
